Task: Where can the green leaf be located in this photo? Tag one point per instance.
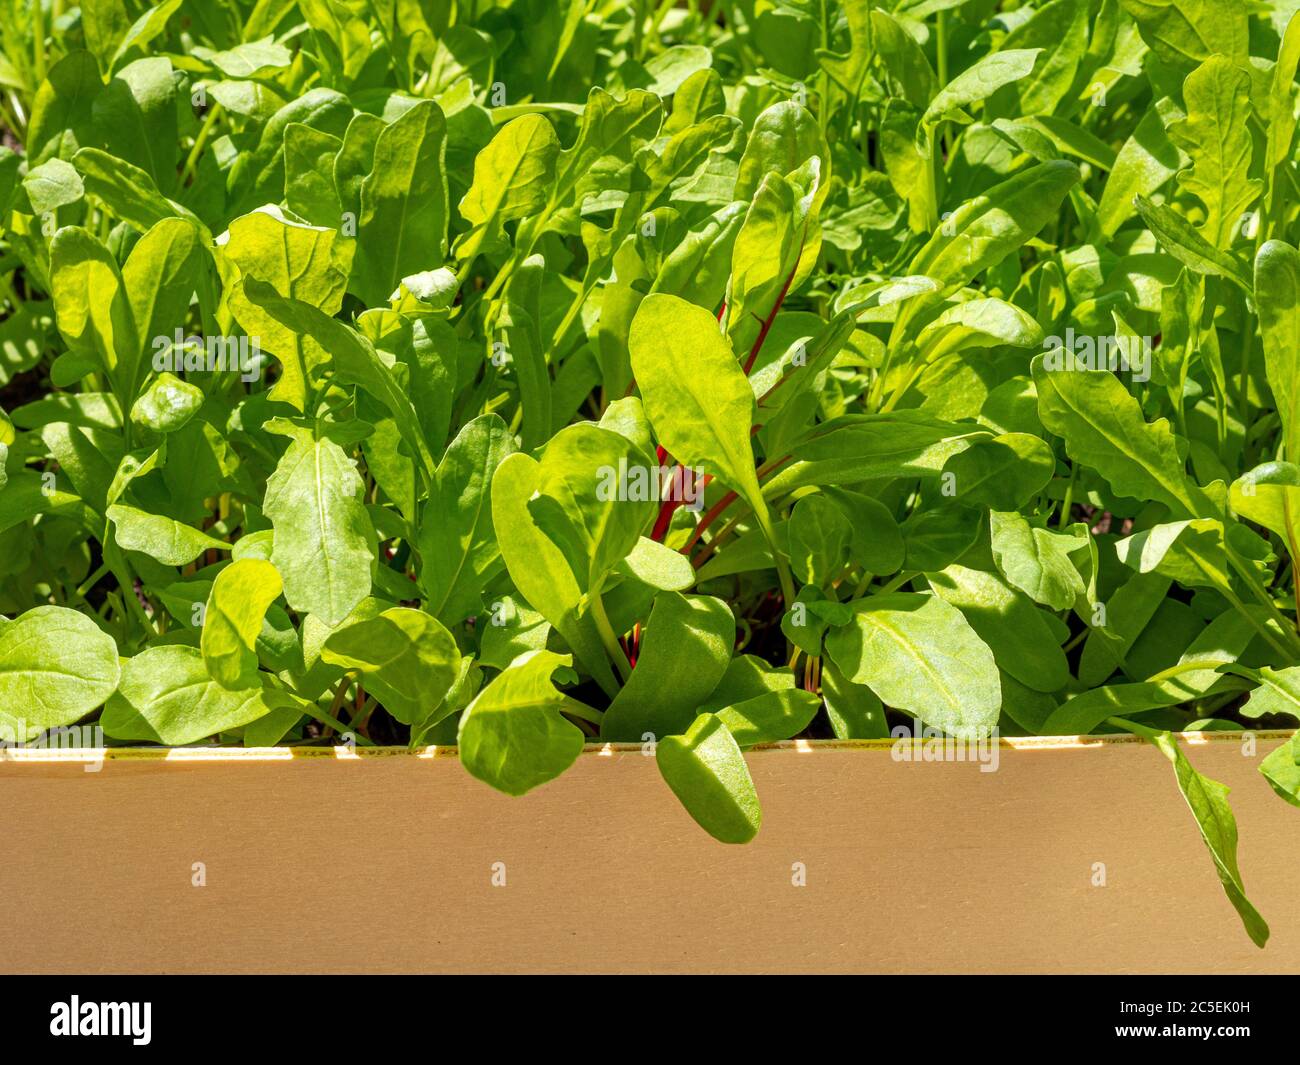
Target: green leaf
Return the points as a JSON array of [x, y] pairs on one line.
[[770, 717], [819, 535], [171, 542], [863, 447], [1146, 161], [919, 654], [657, 566], [774, 252], [1036, 561], [1183, 33], [167, 404], [1015, 630], [978, 323], [62, 108], [1060, 29], [457, 542], [695, 393], [706, 771], [513, 735], [90, 301], [685, 647], [1282, 771], [56, 666], [1001, 472], [520, 323], [855, 711], [983, 231], [402, 227], [539, 569], [875, 544], [610, 132], [1186, 245], [299, 262], [1208, 800], [1278, 693], [233, 619], [512, 177], [309, 189], [160, 277], [51, 185], [249, 59], [978, 82], [167, 696], [409, 661], [1104, 429], [136, 116], [324, 539], [351, 357], [1215, 135], [1277, 294], [1190, 552], [782, 139], [579, 504], [127, 191]]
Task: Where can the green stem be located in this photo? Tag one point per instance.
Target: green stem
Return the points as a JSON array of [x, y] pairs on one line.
[[1134, 727], [576, 709], [325, 718], [782, 567], [941, 48], [608, 637], [862, 586], [1287, 653], [200, 142], [80, 593], [38, 42], [1068, 501]]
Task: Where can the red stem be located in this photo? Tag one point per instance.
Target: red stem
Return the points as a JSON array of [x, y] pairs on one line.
[[771, 317], [665, 516]]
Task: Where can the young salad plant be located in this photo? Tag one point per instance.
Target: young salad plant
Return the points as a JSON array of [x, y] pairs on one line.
[[524, 374]]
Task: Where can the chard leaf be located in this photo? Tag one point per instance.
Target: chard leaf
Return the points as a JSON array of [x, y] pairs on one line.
[[1208, 801], [458, 545], [984, 230], [919, 654], [56, 666], [513, 735], [1277, 292], [685, 648], [232, 622], [706, 771], [167, 696], [1103, 428], [402, 227], [158, 536], [324, 539], [406, 657], [695, 392]]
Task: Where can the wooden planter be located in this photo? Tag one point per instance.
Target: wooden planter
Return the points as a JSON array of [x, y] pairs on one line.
[[388, 861]]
